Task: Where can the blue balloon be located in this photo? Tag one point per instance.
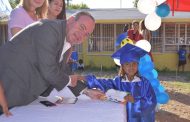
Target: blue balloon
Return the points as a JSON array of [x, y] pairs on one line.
[[155, 83], [163, 98], [148, 75], [161, 88], [120, 38], [154, 73], [163, 10], [145, 67], [156, 91], [146, 58]]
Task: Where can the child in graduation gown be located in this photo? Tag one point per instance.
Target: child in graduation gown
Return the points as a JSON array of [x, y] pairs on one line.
[[142, 109]]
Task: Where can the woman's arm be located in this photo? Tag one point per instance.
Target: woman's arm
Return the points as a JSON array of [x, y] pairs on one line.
[[15, 30]]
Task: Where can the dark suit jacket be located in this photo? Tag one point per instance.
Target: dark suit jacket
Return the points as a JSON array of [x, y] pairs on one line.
[[29, 63]]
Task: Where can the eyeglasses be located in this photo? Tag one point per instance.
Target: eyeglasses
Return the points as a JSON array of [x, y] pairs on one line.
[[82, 27]]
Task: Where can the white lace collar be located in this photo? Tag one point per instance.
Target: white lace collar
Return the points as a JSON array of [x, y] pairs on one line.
[[136, 79]]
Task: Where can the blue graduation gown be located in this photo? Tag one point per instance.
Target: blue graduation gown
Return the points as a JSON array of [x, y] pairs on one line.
[[143, 108]]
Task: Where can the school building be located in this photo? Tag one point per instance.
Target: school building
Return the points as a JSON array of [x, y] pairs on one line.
[[97, 49], [165, 42]]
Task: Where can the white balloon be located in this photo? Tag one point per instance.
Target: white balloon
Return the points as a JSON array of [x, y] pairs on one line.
[[143, 44], [152, 21], [117, 61], [160, 2], [146, 6]]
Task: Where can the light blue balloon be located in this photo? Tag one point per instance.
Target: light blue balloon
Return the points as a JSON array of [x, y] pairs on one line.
[[163, 98], [155, 83], [145, 67], [148, 75], [161, 88], [163, 10], [156, 91], [155, 74], [146, 58]]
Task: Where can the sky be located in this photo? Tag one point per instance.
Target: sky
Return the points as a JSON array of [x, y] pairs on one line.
[[105, 3]]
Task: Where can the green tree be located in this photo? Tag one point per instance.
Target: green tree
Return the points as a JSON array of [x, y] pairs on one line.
[[135, 3], [14, 3], [78, 6]]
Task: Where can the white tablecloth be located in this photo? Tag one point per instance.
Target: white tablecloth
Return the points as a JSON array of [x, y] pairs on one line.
[[85, 110]]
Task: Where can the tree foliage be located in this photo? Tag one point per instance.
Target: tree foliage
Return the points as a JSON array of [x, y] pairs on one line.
[[14, 3], [135, 3], [77, 6]]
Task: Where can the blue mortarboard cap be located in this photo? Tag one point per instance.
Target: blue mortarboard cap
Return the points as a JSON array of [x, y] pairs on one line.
[[129, 53], [120, 38]]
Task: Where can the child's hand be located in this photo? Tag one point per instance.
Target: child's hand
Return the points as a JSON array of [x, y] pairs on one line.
[[129, 98], [103, 97], [94, 93], [6, 112]]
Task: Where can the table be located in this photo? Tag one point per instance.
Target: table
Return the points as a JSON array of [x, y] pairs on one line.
[[85, 110]]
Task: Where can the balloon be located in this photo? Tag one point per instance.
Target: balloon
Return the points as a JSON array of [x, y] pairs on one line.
[[155, 83], [150, 75], [154, 73], [160, 1], [117, 61], [146, 6], [146, 58], [144, 44], [163, 98], [156, 91], [120, 37], [145, 67], [161, 88], [163, 10], [125, 41], [152, 21]]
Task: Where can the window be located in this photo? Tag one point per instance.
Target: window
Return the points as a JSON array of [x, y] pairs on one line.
[[103, 37], [188, 34], [95, 40], [108, 37], [157, 40], [171, 40], [178, 36], [170, 36]]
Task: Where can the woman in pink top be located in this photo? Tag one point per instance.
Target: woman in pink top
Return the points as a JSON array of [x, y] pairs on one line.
[[26, 13]]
